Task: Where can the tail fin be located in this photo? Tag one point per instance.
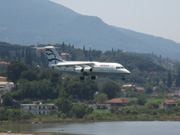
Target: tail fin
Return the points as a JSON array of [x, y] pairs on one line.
[[52, 55]]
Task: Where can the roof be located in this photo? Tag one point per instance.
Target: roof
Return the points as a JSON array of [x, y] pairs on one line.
[[3, 83], [65, 54], [152, 73], [140, 88], [123, 90], [169, 102], [37, 104], [127, 85], [118, 100], [170, 95], [5, 63], [1, 77]]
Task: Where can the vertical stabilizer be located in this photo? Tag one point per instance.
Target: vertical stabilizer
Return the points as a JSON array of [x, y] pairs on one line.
[[52, 55]]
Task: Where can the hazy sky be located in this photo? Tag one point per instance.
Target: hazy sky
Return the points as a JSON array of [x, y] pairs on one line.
[[155, 17]]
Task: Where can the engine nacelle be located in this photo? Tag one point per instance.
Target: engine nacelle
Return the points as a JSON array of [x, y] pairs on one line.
[[78, 69], [87, 69]]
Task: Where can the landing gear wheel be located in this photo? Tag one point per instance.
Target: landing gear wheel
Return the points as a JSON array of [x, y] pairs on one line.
[[93, 77]]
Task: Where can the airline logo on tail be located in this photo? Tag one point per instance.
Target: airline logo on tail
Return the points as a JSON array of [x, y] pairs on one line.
[[52, 55]]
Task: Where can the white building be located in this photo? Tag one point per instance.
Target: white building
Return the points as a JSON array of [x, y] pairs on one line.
[[39, 108], [6, 86], [3, 79]]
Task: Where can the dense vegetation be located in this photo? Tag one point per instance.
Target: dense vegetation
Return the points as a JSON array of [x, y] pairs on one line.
[[34, 81]]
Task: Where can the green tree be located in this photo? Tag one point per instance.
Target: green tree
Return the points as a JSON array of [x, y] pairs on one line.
[[178, 77], [111, 89], [79, 110], [30, 75], [63, 102], [154, 102], [3, 114], [8, 100], [149, 90], [81, 90], [15, 69], [100, 98], [141, 99], [169, 83], [55, 79]]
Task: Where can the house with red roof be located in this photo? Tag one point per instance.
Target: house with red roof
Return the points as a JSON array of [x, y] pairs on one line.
[[140, 88], [168, 104], [110, 104], [118, 102], [4, 63]]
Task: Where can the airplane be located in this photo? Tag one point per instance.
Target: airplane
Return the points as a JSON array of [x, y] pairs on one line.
[[84, 68]]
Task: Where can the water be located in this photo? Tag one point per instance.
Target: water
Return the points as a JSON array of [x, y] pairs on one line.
[[102, 128]]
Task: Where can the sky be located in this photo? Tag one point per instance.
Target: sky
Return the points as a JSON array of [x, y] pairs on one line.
[[155, 17]]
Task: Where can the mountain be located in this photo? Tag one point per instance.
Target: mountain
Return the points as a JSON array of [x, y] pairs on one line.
[[30, 22]]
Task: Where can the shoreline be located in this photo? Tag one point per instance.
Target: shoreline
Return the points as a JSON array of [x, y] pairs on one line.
[[83, 120]]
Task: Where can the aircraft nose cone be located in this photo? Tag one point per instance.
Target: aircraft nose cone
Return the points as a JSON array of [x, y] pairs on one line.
[[127, 71]]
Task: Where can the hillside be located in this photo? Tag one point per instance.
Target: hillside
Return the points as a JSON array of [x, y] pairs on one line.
[[42, 22]]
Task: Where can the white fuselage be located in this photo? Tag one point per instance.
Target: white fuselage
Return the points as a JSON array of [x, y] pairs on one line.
[[84, 68], [95, 68]]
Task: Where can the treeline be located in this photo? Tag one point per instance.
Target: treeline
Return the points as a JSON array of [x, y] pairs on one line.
[[140, 65], [31, 56], [26, 54]]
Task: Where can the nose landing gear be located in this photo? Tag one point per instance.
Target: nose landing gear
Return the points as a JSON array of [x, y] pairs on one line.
[[123, 78]]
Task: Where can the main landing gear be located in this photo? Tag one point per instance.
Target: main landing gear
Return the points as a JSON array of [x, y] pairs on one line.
[[83, 77], [93, 77]]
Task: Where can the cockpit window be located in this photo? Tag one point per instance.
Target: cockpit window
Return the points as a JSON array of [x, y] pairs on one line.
[[119, 67]]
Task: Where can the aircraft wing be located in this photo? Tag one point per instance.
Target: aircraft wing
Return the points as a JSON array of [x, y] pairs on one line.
[[72, 64]]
